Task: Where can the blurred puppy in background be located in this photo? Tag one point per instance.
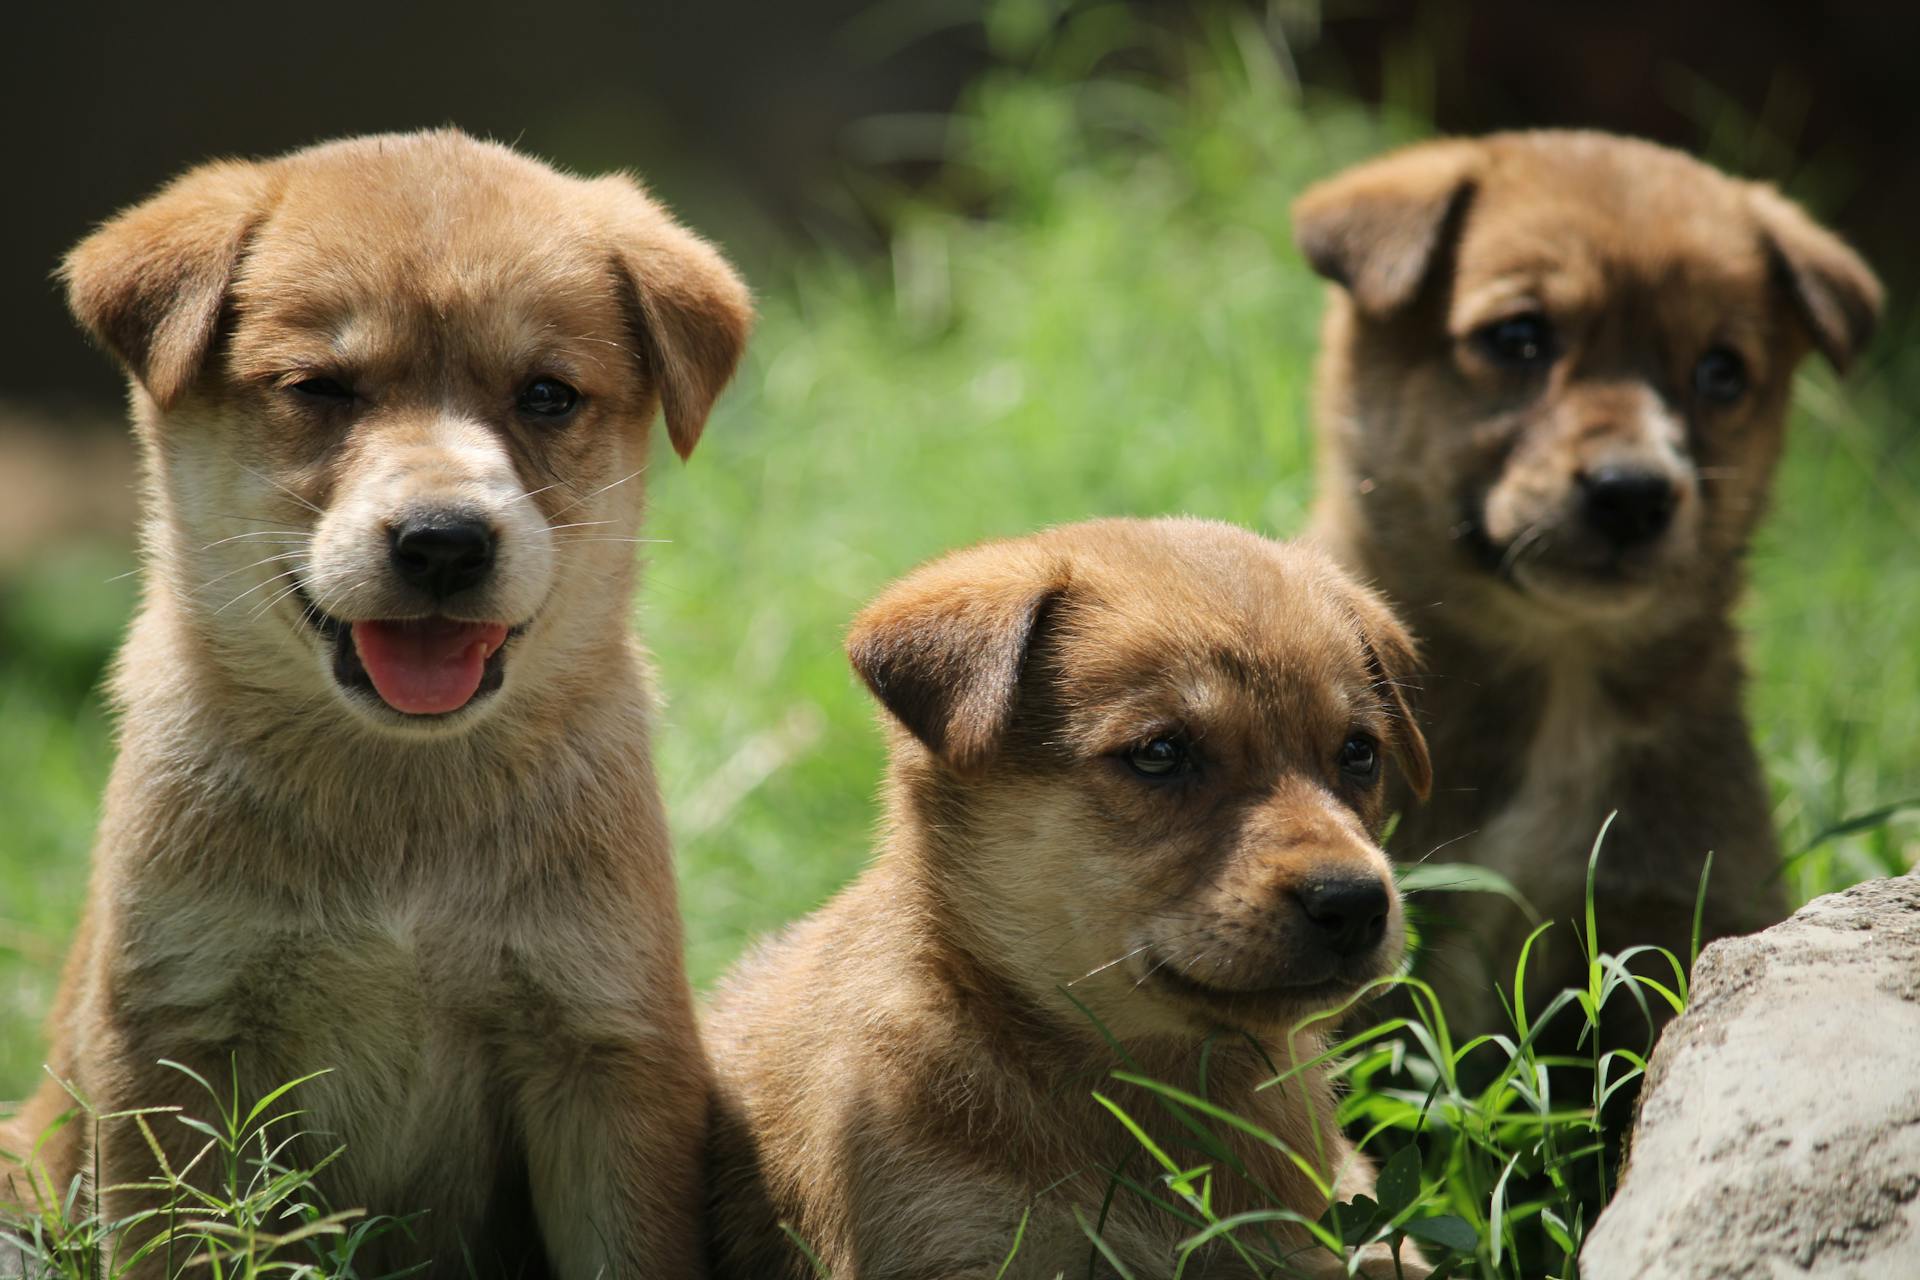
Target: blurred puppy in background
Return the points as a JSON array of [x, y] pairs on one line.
[[1552, 395], [384, 803], [1137, 765]]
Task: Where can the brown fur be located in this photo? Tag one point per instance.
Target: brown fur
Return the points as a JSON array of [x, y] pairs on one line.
[[468, 919], [1567, 681], [903, 1073]]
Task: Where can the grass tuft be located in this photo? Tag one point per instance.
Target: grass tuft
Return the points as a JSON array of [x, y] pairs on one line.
[[238, 1207]]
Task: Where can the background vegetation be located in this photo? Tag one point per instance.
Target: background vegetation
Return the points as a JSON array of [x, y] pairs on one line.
[[1093, 309]]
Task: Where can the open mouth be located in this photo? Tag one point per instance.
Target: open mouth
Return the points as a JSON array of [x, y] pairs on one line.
[[416, 666]]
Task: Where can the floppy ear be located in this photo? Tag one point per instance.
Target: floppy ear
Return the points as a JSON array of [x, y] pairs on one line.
[[1394, 660], [149, 284], [943, 648], [1376, 229], [691, 312], [1836, 292]]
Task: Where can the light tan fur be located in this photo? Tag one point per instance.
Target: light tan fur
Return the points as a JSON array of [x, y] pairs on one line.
[[467, 919], [1569, 678], [904, 1073]]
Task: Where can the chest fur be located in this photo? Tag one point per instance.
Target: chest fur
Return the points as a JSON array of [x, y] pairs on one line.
[[1526, 770], [419, 1013], [1566, 775]]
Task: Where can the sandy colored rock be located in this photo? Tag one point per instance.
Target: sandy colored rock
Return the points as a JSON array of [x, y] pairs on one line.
[[1779, 1132]]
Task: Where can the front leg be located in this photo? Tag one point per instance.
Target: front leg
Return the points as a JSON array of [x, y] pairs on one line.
[[33, 1182], [1377, 1263], [615, 1136], [133, 1180], [1355, 1176]]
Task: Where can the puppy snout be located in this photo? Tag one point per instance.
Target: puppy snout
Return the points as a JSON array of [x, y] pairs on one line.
[[442, 552], [1628, 506], [1349, 911]]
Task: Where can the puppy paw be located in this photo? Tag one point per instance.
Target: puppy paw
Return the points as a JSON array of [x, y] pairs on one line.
[[1377, 1263]]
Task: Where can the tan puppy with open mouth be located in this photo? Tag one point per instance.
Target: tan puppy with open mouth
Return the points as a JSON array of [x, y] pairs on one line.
[[1552, 396], [1138, 765], [384, 802]]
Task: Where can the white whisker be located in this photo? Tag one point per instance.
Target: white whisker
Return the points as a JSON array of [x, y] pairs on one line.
[[258, 586], [282, 488], [597, 492], [262, 609], [324, 605], [1464, 835], [1152, 969], [284, 555], [1109, 964], [260, 535], [536, 492], [259, 520]]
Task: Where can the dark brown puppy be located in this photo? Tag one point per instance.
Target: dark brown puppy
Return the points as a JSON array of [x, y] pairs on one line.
[[1551, 399], [384, 802], [1137, 764]]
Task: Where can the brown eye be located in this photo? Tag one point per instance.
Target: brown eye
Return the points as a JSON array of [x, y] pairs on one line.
[[1721, 376], [1160, 758], [548, 398], [322, 389], [1360, 757], [1519, 342]]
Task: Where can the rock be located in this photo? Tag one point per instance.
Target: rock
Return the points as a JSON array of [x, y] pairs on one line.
[[1779, 1127]]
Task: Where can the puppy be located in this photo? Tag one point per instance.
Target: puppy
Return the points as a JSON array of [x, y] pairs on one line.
[[1136, 767], [1552, 394], [384, 803]]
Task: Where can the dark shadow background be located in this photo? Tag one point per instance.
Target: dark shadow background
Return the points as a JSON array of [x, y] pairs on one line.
[[744, 113]]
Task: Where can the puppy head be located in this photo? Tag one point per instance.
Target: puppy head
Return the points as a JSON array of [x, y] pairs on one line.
[[1567, 357], [1144, 762], [395, 393]]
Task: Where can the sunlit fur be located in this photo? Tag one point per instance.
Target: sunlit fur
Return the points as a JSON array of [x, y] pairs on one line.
[[905, 1072], [1565, 681], [468, 920]]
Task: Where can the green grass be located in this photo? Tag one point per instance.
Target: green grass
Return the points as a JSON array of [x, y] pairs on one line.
[[235, 1208], [1096, 311]]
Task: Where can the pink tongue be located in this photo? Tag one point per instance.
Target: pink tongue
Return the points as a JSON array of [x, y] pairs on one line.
[[428, 666]]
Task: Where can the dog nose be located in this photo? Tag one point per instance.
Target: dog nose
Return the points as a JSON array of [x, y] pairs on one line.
[[442, 552], [1351, 912], [1627, 506]]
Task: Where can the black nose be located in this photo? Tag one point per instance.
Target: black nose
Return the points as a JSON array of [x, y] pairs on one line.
[[1350, 912], [442, 552], [1626, 506]]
